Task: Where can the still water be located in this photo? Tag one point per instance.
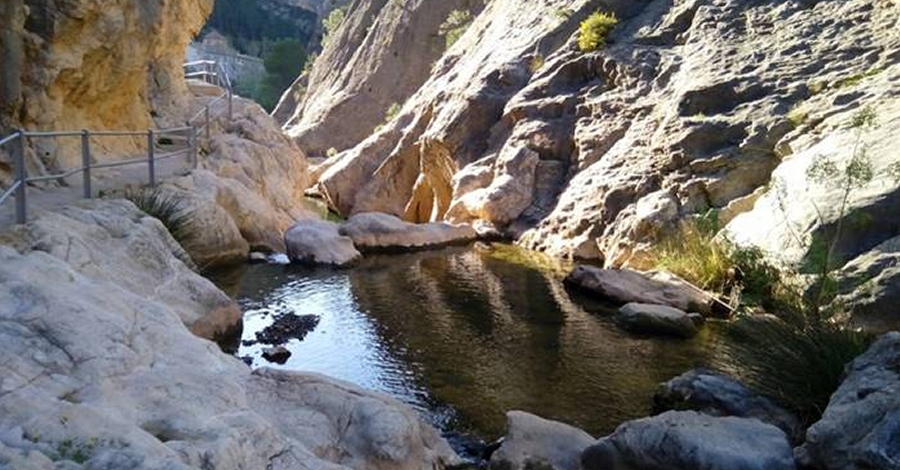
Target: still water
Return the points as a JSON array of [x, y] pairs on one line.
[[463, 335]]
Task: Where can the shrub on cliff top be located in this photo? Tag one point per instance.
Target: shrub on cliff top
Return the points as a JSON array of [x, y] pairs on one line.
[[594, 30]]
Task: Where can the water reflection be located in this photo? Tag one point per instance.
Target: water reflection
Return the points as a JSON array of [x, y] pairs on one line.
[[465, 335]]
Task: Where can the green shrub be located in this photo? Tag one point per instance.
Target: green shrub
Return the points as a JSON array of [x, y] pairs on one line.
[[692, 253], [392, 112], [169, 209], [332, 22], [594, 30], [455, 25], [797, 364]]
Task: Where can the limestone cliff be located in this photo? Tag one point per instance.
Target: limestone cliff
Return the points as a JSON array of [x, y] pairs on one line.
[[382, 53], [93, 64], [590, 154]]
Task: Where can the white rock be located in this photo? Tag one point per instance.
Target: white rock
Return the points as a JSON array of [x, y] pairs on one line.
[[315, 241], [535, 442]]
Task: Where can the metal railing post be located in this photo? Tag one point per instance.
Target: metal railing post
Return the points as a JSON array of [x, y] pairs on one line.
[[151, 163], [21, 177], [86, 162], [206, 117], [230, 104], [192, 139]]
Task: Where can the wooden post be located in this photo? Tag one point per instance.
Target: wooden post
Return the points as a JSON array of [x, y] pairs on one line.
[[86, 162], [151, 163], [230, 104], [21, 177]]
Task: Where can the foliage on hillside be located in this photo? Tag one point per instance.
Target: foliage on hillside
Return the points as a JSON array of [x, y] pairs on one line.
[[252, 29], [284, 62]]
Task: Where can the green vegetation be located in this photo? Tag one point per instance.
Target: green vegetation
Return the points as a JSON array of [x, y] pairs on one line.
[[799, 365], [536, 62], [798, 115], [252, 30], [455, 26], [594, 30], [284, 62], [392, 112], [169, 209], [331, 23], [855, 79]]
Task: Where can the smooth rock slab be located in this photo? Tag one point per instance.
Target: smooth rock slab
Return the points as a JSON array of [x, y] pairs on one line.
[[860, 428], [375, 231], [625, 286], [681, 440], [315, 241], [535, 442], [718, 395], [655, 319]]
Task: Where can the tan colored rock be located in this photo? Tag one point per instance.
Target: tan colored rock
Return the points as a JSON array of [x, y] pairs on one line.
[[383, 51], [94, 64], [374, 231]]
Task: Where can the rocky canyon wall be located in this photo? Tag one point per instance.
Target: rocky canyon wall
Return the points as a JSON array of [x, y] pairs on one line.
[[94, 64], [691, 106]]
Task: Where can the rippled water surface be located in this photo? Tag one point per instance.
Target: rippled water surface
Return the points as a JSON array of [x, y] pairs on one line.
[[465, 334]]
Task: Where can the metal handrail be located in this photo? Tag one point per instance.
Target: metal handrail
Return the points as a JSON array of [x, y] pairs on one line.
[[17, 140]]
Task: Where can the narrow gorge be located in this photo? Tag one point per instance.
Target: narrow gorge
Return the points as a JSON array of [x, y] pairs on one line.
[[505, 234]]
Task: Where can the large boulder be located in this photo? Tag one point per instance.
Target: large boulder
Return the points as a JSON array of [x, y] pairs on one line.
[[534, 442], [624, 286], [679, 440], [341, 424], [375, 231], [113, 241], [860, 428], [718, 395], [315, 241], [655, 319]]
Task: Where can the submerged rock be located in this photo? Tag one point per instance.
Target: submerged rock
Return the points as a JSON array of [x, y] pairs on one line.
[[624, 286], [533, 442], [315, 241], [860, 428], [373, 231], [286, 327], [277, 354], [679, 440], [655, 319], [718, 395]]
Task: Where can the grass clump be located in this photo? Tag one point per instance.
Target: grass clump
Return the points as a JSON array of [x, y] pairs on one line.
[[169, 208], [455, 26], [594, 30], [798, 363]]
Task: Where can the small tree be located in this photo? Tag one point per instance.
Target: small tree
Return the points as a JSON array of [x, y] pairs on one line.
[[332, 22], [594, 30], [854, 175], [455, 25]]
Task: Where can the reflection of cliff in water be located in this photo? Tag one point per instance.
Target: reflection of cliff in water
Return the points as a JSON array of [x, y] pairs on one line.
[[488, 336]]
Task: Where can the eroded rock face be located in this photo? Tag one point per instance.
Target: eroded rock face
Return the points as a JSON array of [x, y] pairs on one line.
[[382, 232], [380, 56], [861, 424], [718, 395], [870, 288], [677, 440], [685, 110], [101, 367], [94, 64], [314, 241], [247, 191], [534, 442]]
